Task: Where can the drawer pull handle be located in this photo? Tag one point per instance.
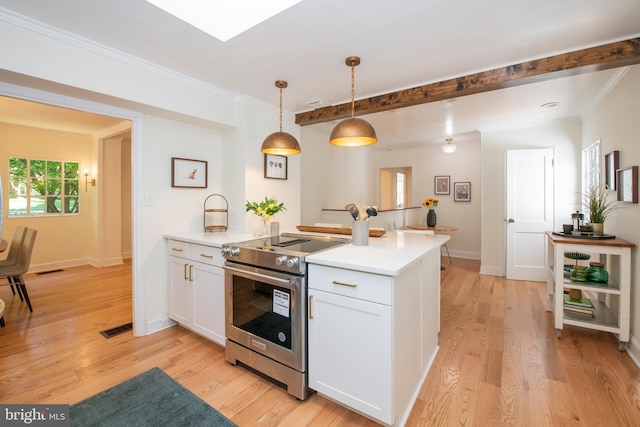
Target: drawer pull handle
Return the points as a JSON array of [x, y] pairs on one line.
[[177, 249], [185, 271], [191, 273], [351, 285], [310, 312], [206, 256]]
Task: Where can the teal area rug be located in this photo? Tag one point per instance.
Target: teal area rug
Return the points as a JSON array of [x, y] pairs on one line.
[[150, 399]]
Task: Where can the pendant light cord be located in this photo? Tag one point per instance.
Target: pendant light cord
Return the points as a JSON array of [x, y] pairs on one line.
[[353, 90], [280, 109]]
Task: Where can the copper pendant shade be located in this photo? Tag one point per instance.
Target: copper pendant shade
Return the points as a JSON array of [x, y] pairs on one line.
[[353, 132], [280, 143]]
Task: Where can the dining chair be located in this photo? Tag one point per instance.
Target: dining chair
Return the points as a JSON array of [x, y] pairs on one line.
[[1, 313], [17, 270], [14, 251]]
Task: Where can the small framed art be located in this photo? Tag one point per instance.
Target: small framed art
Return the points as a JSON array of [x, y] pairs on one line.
[[441, 185], [461, 191], [611, 164], [188, 173], [275, 167], [628, 185]]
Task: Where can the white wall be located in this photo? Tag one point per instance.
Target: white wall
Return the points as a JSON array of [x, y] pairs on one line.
[[174, 116], [615, 123], [565, 139], [461, 166], [335, 176]]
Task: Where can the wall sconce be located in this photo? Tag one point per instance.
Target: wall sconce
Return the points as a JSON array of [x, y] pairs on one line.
[[87, 181]]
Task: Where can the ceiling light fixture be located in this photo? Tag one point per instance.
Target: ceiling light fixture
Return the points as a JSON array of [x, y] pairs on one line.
[[280, 143], [449, 147], [353, 132]]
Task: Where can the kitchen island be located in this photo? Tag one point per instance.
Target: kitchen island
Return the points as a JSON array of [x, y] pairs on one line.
[[373, 315], [374, 318]]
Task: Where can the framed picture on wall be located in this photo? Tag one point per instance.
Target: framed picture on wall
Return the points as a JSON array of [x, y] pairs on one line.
[[441, 185], [275, 167], [611, 165], [628, 185], [188, 173], [461, 191]]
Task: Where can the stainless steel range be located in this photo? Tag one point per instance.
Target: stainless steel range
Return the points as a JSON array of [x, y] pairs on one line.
[[266, 305]]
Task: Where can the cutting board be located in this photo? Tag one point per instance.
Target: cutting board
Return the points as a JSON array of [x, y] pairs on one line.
[[336, 230]]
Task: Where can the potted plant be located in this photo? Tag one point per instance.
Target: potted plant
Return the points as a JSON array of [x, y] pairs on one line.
[[599, 206]]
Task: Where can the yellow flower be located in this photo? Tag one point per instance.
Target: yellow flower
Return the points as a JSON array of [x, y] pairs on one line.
[[430, 203], [265, 209]]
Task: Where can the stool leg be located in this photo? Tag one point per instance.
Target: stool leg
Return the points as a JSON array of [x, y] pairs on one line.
[[448, 254], [2, 321]]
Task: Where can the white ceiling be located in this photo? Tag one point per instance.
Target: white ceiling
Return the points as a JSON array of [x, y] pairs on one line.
[[403, 44]]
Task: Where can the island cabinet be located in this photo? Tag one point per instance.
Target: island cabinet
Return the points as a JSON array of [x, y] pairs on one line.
[[196, 288], [373, 337], [611, 301]]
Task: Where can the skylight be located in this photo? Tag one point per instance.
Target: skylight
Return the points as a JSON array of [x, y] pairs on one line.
[[223, 19]]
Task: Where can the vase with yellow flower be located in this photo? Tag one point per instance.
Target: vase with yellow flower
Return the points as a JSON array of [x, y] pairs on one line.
[[266, 209], [431, 204]]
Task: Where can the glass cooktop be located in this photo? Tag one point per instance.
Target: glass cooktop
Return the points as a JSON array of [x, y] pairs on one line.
[[292, 243]]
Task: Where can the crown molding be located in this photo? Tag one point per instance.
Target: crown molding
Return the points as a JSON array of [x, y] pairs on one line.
[[54, 33]]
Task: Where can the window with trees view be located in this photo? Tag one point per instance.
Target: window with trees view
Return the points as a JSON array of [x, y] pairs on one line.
[[42, 187]]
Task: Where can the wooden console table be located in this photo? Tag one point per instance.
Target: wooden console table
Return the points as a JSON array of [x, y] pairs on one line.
[[619, 285]]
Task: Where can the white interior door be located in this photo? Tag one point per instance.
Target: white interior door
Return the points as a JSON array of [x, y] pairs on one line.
[[529, 211]]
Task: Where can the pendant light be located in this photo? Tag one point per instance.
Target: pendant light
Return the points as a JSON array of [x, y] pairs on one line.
[[280, 143], [353, 132], [449, 147]]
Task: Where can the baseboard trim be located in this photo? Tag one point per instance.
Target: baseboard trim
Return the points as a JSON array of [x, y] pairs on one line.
[[492, 271], [633, 349], [155, 325]]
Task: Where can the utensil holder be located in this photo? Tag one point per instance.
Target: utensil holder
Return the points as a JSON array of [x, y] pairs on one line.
[[360, 233]]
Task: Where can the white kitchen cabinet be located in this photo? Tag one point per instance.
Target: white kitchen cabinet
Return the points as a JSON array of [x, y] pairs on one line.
[[350, 352], [611, 300], [368, 347], [196, 288]]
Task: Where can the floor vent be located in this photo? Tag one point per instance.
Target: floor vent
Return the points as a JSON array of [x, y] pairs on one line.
[[48, 272], [109, 333]]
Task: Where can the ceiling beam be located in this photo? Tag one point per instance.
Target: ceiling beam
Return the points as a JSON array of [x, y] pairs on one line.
[[598, 58]]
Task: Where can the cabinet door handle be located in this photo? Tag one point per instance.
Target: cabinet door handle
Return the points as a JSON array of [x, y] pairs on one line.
[[191, 273], [177, 249], [310, 312], [206, 256], [185, 272], [351, 285]]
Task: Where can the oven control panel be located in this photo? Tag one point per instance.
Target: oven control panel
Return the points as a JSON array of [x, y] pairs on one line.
[[266, 259]]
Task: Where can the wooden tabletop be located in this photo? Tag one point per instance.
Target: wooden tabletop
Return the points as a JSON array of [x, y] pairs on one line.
[[436, 228], [557, 238]]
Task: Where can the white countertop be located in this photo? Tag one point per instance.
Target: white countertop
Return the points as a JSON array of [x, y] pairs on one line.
[[215, 239], [388, 255]]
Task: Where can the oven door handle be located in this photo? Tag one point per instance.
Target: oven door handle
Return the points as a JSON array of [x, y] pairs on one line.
[[261, 276]]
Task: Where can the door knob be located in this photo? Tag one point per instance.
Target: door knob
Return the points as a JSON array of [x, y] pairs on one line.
[[511, 220]]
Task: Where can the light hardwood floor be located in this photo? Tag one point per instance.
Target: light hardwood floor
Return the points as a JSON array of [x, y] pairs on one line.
[[499, 361]]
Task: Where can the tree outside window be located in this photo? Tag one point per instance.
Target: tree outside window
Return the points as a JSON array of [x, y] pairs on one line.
[[42, 187]]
